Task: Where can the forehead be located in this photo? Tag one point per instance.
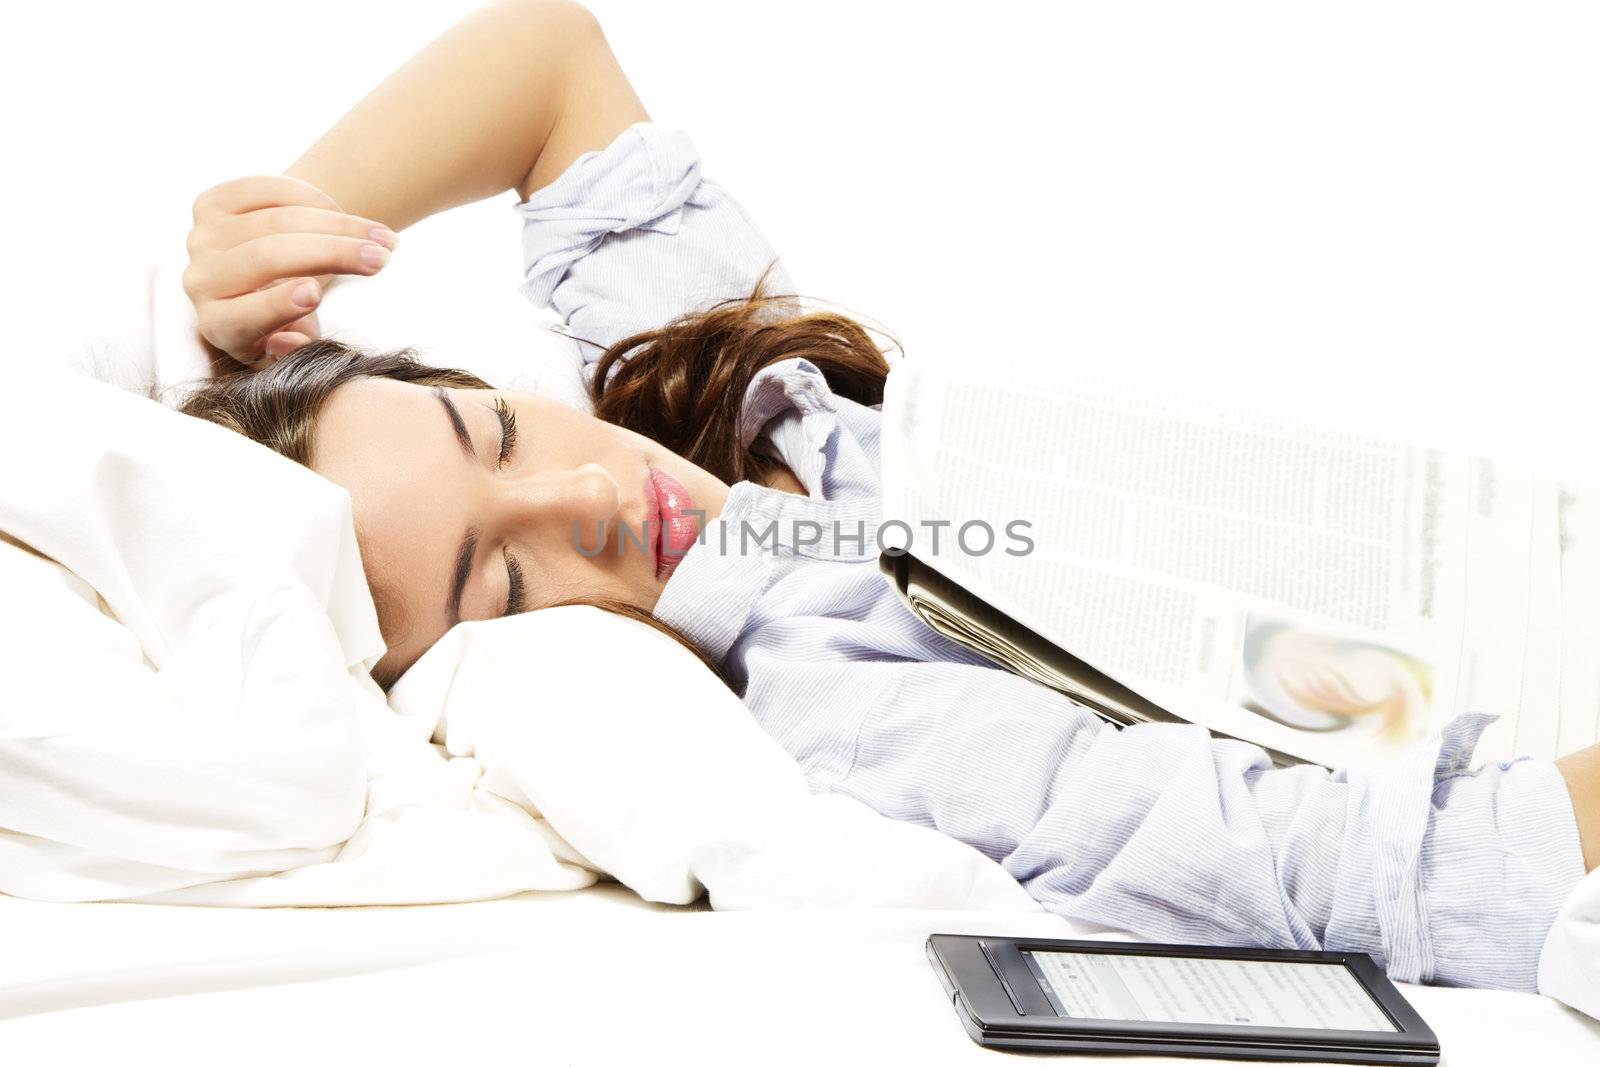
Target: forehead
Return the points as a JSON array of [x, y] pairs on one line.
[[368, 408], [389, 444]]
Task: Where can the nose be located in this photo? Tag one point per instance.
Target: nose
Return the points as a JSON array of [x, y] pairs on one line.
[[582, 498]]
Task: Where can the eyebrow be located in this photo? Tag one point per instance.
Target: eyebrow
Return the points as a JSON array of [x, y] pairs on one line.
[[456, 423], [458, 581], [469, 543]]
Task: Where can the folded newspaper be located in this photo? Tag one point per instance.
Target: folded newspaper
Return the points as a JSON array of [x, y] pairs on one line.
[[1328, 596]]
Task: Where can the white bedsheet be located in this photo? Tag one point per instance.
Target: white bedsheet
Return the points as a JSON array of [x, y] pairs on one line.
[[591, 977]]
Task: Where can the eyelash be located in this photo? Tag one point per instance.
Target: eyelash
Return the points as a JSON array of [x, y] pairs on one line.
[[508, 443], [508, 429], [514, 597]]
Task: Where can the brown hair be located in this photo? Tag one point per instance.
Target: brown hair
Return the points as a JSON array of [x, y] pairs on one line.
[[682, 385]]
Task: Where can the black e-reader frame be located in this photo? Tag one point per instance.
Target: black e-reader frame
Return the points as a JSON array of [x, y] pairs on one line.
[[1005, 1004]]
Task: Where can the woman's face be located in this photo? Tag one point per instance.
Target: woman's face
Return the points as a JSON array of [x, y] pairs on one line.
[[460, 520]]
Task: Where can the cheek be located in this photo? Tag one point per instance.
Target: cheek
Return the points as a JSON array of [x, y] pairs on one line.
[[570, 576]]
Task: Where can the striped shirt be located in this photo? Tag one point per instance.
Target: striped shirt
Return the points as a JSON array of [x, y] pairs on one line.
[[1442, 873]]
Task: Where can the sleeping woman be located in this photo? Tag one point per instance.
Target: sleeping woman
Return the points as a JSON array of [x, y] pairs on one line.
[[720, 401]]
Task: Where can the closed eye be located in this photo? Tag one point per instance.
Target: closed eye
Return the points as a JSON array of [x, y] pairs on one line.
[[515, 590], [508, 429], [515, 594]]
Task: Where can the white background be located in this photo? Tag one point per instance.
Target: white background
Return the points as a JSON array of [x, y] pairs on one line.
[[1385, 215]]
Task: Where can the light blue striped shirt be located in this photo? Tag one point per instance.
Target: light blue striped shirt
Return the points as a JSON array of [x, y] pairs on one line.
[[1443, 874]]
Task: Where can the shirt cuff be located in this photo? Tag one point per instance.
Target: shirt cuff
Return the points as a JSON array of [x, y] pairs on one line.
[[1454, 876], [1501, 858], [640, 181]]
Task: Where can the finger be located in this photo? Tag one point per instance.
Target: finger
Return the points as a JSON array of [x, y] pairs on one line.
[[239, 325], [287, 338], [264, 260], [259, 191], [233, 230], [281, 344]]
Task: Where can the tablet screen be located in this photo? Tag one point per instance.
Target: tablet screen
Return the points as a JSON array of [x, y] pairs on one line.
[[1179, 989]]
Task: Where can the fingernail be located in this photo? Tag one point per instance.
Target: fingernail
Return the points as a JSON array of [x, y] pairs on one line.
[[306, 294], [374, 256], [383, 235]]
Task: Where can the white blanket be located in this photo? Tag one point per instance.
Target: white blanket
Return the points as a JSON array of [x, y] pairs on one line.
[[187, 715], [653, 769]]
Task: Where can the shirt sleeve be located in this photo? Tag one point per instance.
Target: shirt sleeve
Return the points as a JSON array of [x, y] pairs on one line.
[[1441, 874], [632, 236]]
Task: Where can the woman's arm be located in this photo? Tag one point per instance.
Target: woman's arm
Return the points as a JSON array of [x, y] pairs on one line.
[[505, 99], [1442, 874]]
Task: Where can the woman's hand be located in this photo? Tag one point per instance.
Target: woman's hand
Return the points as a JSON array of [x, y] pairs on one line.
[[262, 253]]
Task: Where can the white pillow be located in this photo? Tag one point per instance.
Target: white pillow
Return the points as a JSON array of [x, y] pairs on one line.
[[99, 325], [654, 772], [185, 710], [451, 291], [184, 644]]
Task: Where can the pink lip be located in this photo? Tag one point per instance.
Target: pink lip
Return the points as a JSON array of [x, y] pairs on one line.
[[674, 530]]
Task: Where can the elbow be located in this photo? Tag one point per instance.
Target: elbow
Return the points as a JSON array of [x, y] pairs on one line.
[[563, 19], [556, 35]]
